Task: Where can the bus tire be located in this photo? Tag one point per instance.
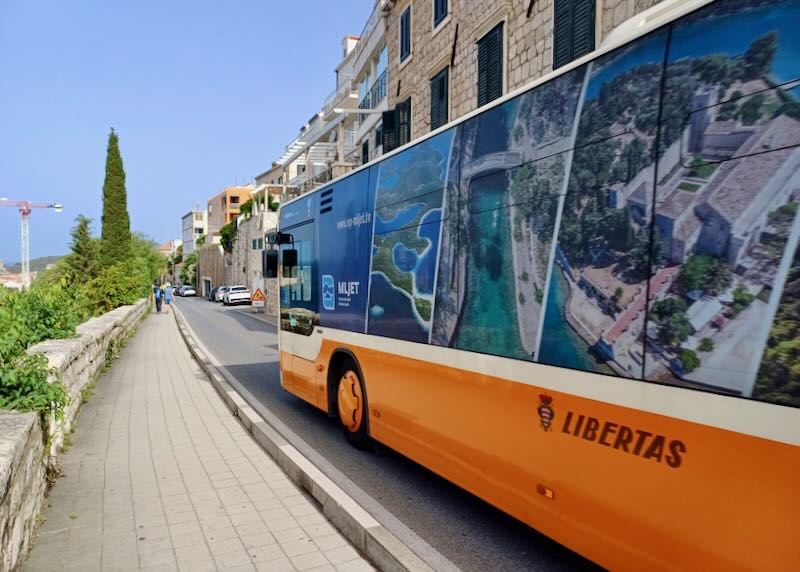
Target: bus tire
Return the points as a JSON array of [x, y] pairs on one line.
[[351, 405]]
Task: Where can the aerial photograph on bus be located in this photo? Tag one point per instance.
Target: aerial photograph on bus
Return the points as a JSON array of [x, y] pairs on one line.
[[408, 215], [728, 194]]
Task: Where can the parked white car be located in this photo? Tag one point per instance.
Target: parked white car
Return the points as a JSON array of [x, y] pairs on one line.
[[236, 295], [220, 293], [188, 291]]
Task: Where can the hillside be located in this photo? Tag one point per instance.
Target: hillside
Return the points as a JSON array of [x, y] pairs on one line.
[[37, 264]]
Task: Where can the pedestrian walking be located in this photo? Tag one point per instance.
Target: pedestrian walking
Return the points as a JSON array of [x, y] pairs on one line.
[[167, 296], [158, 294]]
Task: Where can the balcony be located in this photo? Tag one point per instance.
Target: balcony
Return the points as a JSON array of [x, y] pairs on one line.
[[374, 96], [343, 97]]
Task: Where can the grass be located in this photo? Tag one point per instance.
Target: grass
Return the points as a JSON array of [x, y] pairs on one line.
[[687, 186], [703, 171]]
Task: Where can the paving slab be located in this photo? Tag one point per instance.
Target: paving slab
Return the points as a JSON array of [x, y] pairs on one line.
[[161, 476]]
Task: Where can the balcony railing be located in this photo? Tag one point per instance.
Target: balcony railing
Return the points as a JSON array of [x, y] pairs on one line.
[[339, 94], [374, 96]]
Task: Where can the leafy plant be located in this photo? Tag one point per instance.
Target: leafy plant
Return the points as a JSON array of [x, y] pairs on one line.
[[24, 386]]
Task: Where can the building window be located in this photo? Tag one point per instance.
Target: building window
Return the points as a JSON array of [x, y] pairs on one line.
[[490, 65], [280, 180], [439, 96], [301, 169], [365, 151], [573, 30], [234, 200], [198, 231], [378, 136], [439, 11], [198, 216], [405, 34]]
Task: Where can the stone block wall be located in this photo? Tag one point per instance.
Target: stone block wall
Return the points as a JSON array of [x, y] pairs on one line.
[[78, 360], [528, 48], [22, 484]]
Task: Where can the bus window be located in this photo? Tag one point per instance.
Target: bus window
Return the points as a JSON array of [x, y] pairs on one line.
[[299, 306]]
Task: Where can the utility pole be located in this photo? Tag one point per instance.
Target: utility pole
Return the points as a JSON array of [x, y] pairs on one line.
[[25, 211]]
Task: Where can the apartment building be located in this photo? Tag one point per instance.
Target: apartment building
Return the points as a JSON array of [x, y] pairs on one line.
[[223, 207], [318, 152], [194, 224], [446, 58], [371, 75]]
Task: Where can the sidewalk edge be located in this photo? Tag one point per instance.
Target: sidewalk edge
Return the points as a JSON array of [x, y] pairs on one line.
[[374, 540]]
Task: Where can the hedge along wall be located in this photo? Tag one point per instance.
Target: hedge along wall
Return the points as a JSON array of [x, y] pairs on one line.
[[23, 460]]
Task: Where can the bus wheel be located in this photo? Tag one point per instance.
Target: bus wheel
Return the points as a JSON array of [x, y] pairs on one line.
[[351, 402]]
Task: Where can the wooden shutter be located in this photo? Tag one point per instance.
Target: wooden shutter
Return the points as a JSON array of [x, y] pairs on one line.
[[365, 151], [439, 88], [389, 131], [490, 66], [403, 122], [573, 30], [582, 27]]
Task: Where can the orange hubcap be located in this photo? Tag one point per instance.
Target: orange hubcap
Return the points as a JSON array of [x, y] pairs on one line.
[[351, 410]]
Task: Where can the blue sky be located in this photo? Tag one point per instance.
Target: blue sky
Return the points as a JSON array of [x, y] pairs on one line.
[[203, 94]]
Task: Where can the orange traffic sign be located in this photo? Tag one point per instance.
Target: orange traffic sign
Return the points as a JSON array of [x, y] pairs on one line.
[[258, 298]]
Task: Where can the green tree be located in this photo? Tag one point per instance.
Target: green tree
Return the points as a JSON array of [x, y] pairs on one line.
[[742, 298], [82, 264], [759, 56], [750, 112], [719, 276], [617, 296], [689, 360], [706, 345], [663, 309], [116, 233], [704, 272], [674, 329]]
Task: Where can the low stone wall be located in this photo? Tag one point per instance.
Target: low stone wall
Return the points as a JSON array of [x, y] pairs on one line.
[[22, 484], [23, 460], [78, 360]]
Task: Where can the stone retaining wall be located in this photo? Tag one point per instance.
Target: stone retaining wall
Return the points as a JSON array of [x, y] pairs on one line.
[[22, 484], [78, 360]]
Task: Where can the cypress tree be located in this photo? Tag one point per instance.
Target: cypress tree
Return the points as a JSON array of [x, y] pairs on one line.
[[82, 263], [115, 243]]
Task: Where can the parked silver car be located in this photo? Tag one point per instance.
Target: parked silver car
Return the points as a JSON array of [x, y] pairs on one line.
[[220, 293]]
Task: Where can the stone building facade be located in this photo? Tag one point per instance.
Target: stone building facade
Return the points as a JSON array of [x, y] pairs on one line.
[[527, 47], [245, 260]]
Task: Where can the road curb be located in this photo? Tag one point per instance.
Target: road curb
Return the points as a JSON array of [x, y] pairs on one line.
[[375, 541]]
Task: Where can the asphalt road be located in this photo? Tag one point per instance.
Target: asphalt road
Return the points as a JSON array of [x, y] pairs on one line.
[[465, 530]]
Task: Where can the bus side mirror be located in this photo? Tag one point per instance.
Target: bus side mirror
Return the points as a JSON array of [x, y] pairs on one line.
[[289, 262], [269, 263]]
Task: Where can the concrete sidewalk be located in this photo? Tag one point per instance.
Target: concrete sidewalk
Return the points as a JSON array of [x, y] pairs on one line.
[[161, 476]]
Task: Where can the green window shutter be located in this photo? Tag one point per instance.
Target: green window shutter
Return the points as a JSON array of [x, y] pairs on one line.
[[573, 30], [403, 122], [389, 131], [439, 90], [490, 66], [582, 27]]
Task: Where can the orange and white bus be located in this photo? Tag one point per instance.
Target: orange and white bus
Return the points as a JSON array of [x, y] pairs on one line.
[[581, 302]]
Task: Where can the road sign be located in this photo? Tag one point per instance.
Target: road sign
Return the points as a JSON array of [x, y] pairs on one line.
[[258, 298]]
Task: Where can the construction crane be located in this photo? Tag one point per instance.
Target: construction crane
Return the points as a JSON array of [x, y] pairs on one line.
[[25, 210]]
